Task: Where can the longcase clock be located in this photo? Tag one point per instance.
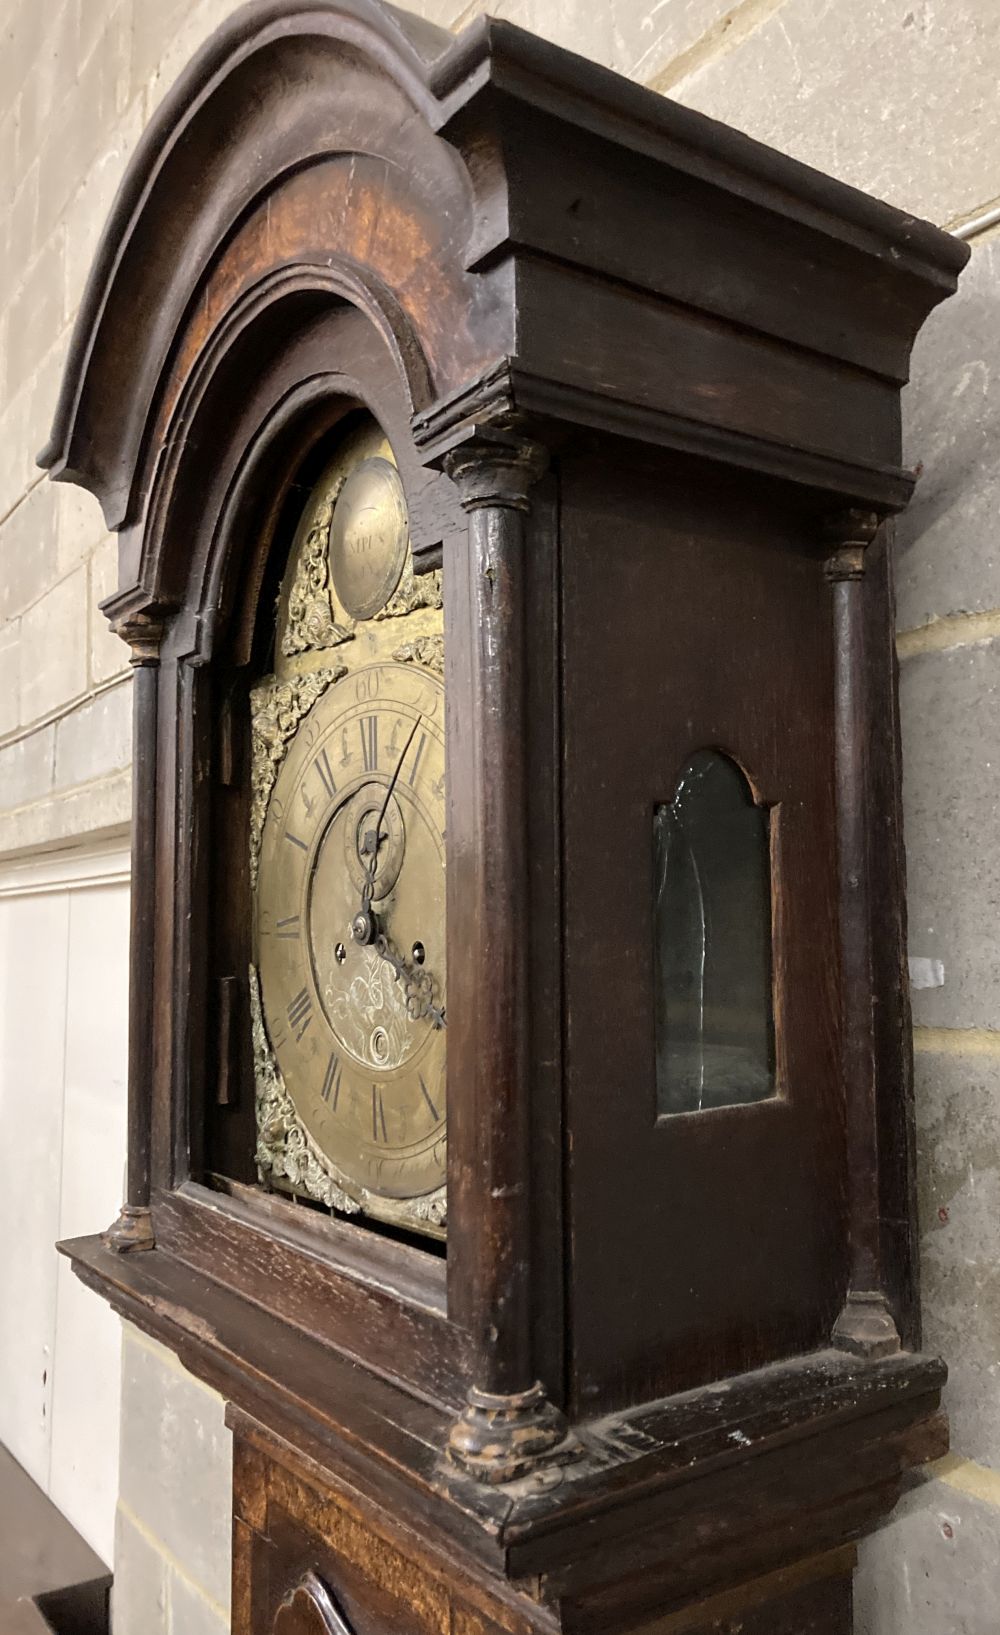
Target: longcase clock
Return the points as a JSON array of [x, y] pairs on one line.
[[504, 460]]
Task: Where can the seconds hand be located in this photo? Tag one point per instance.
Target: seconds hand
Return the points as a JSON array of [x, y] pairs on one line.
[[366, 895]]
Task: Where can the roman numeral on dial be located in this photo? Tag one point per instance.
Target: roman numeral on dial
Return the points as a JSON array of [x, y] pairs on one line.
[[330, 1090], [288, 928], [368, 728], [326, 778], [379, 1131], [415, 768], [300, 1013]]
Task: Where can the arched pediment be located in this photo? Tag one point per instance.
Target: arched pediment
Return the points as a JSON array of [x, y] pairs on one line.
[[302, 136], [489, 202]]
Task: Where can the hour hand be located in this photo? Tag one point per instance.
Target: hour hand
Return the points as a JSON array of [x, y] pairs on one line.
[[373, 839], [417, 985], [365, 926]]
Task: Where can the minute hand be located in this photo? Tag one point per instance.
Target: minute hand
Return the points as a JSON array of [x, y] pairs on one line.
[[369, 886]]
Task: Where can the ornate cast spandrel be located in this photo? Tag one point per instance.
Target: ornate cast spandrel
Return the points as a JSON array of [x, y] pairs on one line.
[[311, 625], [415, 591], [285, 1150], [333, 592], [425, 650], [287, 1153], [276, 709]]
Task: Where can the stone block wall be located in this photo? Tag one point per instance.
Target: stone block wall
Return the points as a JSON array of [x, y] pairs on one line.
[[174, 1531], [67, 125], [897, 96]]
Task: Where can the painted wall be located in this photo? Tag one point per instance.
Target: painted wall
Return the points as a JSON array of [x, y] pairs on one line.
[[897, 96], [63, 977]]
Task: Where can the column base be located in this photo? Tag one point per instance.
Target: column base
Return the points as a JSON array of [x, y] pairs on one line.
[[502, 1438], [866, 1326], [132, 1230]]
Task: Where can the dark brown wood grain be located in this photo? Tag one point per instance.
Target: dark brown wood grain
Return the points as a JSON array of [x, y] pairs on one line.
[[344, 1539], [489, 865], [701, 1244], [855, 926], [133, 1228], [809, 1451], [383, 1303], [630, 363], [893, 1040], [866, 1322], [821, 1608], [142, 904]]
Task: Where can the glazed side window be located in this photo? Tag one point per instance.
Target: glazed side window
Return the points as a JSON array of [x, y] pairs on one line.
[[712, 942]]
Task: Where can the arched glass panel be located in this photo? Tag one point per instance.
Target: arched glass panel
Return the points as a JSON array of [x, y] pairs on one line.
[[712, 920]]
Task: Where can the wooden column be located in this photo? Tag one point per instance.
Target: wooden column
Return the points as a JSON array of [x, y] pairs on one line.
[[133, 1227], [508, 1426], [865, 1325]]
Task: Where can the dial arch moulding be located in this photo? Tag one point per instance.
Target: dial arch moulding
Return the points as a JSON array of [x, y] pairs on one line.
[[205, 490], [295, 163]]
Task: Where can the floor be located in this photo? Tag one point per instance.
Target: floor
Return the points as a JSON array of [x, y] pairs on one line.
[[39, 1550]]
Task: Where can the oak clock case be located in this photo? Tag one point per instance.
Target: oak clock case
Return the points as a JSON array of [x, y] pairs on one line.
[[348, 986], [468, 336]]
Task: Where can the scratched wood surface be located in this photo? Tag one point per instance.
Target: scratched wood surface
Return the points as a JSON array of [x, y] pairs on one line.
[[319, 1566], [701, 1275]]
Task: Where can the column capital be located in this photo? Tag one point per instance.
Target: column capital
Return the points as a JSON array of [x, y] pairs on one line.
[[479, 436], [495, 467], [140, 620], [144, 635], [849, 534]]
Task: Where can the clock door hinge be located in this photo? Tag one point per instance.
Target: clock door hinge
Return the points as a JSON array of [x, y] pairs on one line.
[[228, 1012]]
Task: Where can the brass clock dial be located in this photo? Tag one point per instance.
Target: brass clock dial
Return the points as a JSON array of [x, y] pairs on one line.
[[351, 929], [348, 854]]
